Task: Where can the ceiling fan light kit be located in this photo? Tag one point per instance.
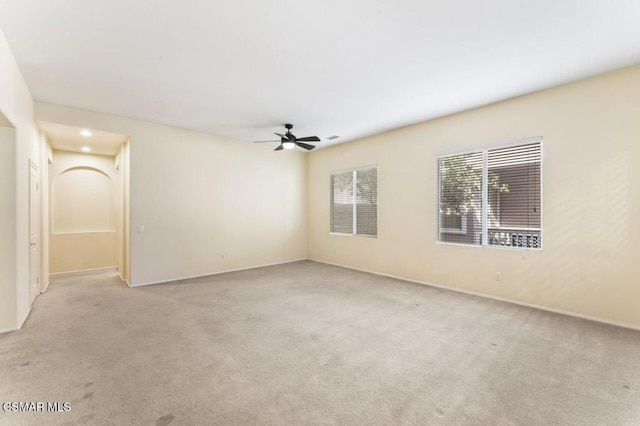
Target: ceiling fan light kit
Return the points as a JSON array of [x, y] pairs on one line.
[[289, 141]]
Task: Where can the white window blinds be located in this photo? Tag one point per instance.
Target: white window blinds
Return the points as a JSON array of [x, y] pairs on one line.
[[354, 202], [514, 198], [367, 202], [342, 205], [460, 198], [492, 197]]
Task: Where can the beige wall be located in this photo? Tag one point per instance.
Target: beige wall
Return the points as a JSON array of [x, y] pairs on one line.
[[84, 191], [16, 105], [122, 162], [80, 251], [207, 204], [7, 228], [47, 158], [591, 202]]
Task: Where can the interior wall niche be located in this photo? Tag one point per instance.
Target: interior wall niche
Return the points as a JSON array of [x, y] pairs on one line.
[[85, 193], [83, 200]]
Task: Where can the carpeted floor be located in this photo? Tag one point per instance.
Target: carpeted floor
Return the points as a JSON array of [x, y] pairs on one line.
[[308, 343]]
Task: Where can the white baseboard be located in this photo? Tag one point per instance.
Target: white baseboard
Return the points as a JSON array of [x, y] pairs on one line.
[[22, 320], [8, 329], [488, 296], [216, 273], [82, 271], [19, 323]]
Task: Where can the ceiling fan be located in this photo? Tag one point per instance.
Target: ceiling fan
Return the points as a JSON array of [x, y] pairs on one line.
[[289, 140]]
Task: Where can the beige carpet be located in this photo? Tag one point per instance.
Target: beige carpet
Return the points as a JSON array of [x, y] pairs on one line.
[[307, 343]]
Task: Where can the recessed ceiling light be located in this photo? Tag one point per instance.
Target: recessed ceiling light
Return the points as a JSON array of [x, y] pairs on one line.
[[86, 133], [333, 137], [85, 149]]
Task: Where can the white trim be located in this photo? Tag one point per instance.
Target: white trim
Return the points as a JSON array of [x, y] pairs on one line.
[[216, 273], [354, 210], [488, 296], [85, 232], [451, 243], [38, 231], [485, 198], [508, 228], [541, 192], [8, 330], [82, 271], [515, 142], [26, 316], [354, 169], [343, 234], [467, 151], [507, 144]]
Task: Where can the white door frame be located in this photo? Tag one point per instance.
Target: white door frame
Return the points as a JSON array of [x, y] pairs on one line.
[[34, 231]]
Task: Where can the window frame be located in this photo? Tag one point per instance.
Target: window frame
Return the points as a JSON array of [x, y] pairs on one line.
[[354, 231], [485, 196]]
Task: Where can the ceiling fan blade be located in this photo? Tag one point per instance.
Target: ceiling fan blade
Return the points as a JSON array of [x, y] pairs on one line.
[[305, 146], [279, 148], [283, 136], [309, 139]]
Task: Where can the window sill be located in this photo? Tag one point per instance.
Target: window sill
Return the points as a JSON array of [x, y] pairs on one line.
[[340, 234], [515, 248]]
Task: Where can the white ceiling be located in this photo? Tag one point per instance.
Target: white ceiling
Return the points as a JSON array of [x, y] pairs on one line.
[[352, 68], [68, 138]]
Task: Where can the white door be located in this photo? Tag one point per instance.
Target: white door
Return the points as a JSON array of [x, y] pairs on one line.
[[34, 243]]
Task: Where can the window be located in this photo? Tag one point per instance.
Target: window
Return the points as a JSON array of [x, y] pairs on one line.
[[460, 201], [492, 196], [354, 202]]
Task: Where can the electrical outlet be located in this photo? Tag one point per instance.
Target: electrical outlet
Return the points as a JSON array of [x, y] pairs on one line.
[[498, 276]]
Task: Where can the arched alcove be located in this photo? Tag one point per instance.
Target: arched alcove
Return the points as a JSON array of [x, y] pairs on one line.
[[83, 200]]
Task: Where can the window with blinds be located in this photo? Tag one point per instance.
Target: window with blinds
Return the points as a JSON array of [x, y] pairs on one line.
[[354, 202], [492, 196], [460, 198], [342, 205]]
